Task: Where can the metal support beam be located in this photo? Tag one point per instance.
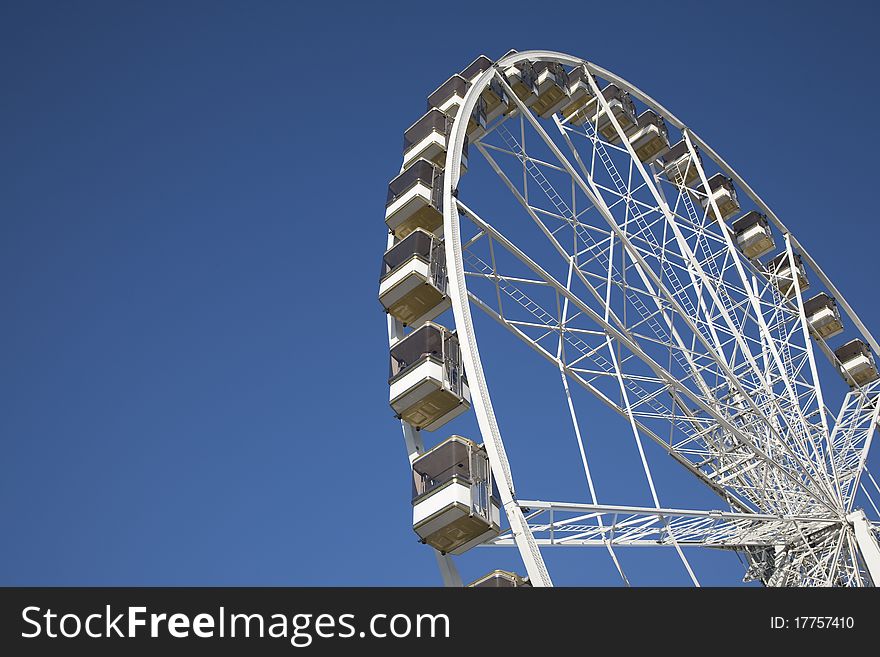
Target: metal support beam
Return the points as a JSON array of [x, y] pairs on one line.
[[866, 541]]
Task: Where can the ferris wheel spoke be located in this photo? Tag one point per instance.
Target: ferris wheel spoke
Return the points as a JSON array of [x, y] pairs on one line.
[[635, 429], [678, 391], [622, 411], [560, 356], [832, 476], [783, 343], [869, 498], [631, 291], [646, 468], [868, 495], [691, 313], [716, 303], [849, 458], [762, 206], [560, 524], [708, 284], [576, 374], [691, 257], [804, 464], [823, 277]]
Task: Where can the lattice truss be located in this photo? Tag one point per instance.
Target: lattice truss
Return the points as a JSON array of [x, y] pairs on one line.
[[638, 294]]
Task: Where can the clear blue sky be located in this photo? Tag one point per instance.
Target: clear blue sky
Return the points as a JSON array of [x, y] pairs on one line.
[[192, 357]]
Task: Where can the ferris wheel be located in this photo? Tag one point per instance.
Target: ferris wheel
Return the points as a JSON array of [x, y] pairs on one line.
[[620, 249]]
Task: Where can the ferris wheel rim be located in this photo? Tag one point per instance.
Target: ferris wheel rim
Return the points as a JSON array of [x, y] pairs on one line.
[[458, 292], [458, 289], [453, 158]]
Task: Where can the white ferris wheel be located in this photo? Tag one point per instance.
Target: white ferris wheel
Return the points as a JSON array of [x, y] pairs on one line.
[[625, 253]]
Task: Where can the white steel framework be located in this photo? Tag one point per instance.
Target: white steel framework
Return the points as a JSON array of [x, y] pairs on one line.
[[634, 288]]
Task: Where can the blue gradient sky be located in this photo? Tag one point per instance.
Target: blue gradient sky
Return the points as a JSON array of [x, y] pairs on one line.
[[192, 357]]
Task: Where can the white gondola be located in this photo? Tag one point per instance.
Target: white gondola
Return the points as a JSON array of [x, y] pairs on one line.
[[651, 137], [678, 165], [415, 199], [493, 95], [580, 105], [780, 271], [823, 316], [552, 83], [722, 191], [856, 362], [413, 284], [427, 139], [523, 79], [428, 384], [500, 579], [455, 506], [753, 234], [624, 110], [448, 98]]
